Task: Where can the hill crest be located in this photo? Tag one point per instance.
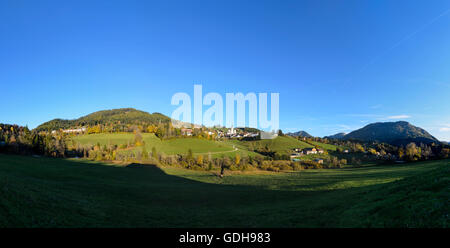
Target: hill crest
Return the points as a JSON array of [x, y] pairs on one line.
[[396, 133], [336, 136], [300, 134], [113, 116]]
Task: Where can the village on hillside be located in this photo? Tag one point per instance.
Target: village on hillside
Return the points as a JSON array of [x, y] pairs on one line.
[[299, 152], [232, 133], [189, 132]]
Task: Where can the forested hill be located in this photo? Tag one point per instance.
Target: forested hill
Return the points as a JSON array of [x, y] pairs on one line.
[[336, 136], [396, 133], [123, 116], [300, 134]]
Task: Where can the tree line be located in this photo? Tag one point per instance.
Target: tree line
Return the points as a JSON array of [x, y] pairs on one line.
[[20, 140], [388, 152]]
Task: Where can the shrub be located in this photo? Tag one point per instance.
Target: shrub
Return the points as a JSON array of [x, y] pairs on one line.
[[297, 167], [273, 168]]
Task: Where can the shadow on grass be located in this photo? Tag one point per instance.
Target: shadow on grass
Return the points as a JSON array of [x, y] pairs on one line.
[[139, 165], [61, 193]]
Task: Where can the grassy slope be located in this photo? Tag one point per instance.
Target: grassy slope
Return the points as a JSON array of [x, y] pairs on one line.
[[328, 147], [56, 192], [171, 146], [283, 144], [104, 138]]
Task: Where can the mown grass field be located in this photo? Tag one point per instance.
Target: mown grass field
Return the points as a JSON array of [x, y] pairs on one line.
[[199, 146], [169, 147], [328, 147], [282, 144], [49, 192]]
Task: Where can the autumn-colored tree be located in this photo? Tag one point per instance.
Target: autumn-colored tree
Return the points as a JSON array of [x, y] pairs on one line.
[[152, 129], [237, 159], [138, 141], [200, 160], [401, 152], [359, 148], [445, 153], [411, 151], [160, 133]]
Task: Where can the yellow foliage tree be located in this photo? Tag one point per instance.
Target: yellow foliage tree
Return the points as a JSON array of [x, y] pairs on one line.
[[237, 159], [200, 159]]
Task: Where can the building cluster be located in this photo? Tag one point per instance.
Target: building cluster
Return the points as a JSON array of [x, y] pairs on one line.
[[298, 152], [236, 133], [309, 150], [77, 130], [186, 131], [230, 133]]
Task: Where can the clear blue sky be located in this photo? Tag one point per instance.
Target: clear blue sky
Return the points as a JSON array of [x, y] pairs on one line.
[[337, 65]]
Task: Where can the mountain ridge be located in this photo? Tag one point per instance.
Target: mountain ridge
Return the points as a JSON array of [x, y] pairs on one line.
[[395, 133], [336, 136], [300, 134], [120, 115]]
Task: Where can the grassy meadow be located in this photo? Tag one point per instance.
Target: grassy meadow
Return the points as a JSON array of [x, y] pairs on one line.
[[281, 144], [169, 147], [215, 149], [230, 148], [328, 147], [50, 192]]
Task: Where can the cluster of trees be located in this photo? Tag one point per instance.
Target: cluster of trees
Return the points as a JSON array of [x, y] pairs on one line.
[[116, 119], [384, 151], [190, 161], [201, 162], [20, 140], [268, 152], [122, 120], [412, 152], [272, 161], [162, 130]]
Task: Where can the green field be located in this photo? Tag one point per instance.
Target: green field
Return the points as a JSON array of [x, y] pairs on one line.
[[282, 144], [229, 148], [169, 147], [328, 147], [49, 192]]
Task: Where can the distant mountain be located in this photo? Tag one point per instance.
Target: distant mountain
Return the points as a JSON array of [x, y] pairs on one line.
[[395, 133], [336, 136], [300, 134], [121, 116]]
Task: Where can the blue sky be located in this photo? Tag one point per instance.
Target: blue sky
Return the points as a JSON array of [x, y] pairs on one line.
[[338, 65]]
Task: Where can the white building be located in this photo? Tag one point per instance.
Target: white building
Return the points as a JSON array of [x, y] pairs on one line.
[[78, 130], [231, 131]]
